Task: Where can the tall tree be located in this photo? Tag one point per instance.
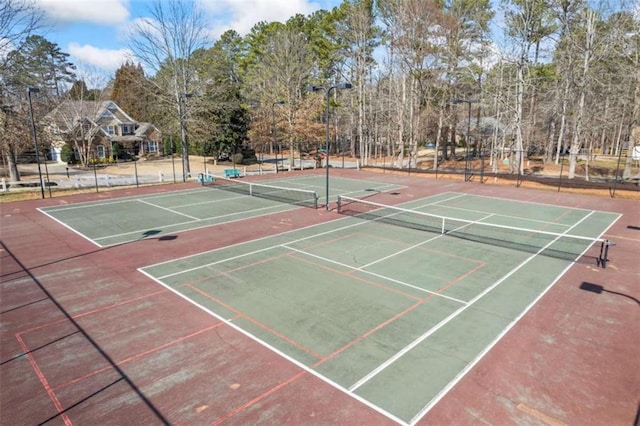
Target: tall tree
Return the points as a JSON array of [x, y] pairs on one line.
[[526, 20], [40, 63], [282, 65], [360, 36], [222, 119], [132, 91], [166, 42], [18, 20], [78, 90]]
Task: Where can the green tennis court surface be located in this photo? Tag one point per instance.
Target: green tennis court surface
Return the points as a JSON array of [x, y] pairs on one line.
[[135, 218], [393, 316]]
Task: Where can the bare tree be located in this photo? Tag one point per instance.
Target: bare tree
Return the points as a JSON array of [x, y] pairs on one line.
[[76, 120], [165, 44], [18, 20], [527, 26], [361, 36]]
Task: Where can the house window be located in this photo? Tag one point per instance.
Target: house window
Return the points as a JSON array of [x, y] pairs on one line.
[[111, 130], [127, 129], [151, 146], [100, 150], [85, 128]]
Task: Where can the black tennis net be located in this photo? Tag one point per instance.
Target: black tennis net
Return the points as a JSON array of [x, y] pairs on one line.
[[298, 197], [569, 247]]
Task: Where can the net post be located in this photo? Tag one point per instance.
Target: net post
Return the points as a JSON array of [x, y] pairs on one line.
[[339, 204], [604, 253]]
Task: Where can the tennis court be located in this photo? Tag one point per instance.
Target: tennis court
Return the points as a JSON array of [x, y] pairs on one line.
[[135, 218], [410, 301], [391, 315]]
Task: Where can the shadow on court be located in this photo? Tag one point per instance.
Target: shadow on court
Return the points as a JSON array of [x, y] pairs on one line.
[[598, 289], [62, 414], [145, 236]]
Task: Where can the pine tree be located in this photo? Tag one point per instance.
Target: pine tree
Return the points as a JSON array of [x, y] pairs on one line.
[[39, 63], [131, 91]]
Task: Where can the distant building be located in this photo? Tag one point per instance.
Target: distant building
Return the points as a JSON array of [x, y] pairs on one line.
[[98, 125]]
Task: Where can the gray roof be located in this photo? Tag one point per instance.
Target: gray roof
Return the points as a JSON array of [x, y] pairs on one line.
[[68, 113]]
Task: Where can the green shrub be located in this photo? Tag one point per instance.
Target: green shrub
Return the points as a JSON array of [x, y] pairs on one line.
[[67, 155], [237, 158]]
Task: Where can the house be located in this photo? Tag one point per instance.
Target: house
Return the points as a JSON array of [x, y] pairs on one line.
[[99, 131]]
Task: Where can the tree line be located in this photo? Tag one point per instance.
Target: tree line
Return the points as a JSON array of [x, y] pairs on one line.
[[557, 77]]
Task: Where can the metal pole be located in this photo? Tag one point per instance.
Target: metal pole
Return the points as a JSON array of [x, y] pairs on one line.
[[615, 181], [326, 148], [328, 92], [273, 131], [95, 174], [561, 166], [31, 90], [466, 160], [46, 173], [183, 136], [182, 139], [135, 169]]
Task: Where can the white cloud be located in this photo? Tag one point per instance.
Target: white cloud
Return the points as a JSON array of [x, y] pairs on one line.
[[103, 12], [102, 59], [242, 15]]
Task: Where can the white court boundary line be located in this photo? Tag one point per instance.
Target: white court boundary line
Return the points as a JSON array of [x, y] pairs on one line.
[[255, 338], [88, 204], [173, 225], [454, 314], [70, 228], [359, 269], [177, 193], [321, 187], [280, 353], [500, 335], [330, 231], [350, 391], [168, 209], [204, 220]]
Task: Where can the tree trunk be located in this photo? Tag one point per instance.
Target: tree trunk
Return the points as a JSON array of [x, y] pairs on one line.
[[576, 141], [10, 156], [634, 134], [518, 118]]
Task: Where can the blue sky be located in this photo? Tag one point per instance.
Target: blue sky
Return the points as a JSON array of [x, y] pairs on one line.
[[92, 31]]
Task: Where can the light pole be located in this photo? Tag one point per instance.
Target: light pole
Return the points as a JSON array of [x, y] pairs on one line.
[[466, 153], [338, 86], [31, 90], [183, 136], [273, 127]]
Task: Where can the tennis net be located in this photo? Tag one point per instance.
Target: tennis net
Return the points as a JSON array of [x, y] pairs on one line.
[[573, 248], [299, 197]]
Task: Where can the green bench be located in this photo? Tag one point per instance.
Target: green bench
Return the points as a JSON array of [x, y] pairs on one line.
[[231, 173]]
